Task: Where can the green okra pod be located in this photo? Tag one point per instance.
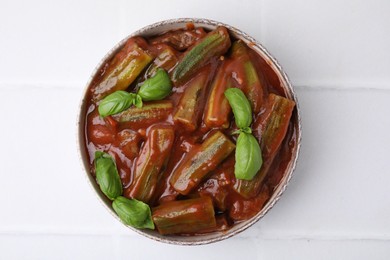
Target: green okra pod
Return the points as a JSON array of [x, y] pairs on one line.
[[166, 60], [150, 162], [123, 69], [151, 112], [217, 109], [188, 109], [200, 161], [245, 70], [216, 43], [184, 216]]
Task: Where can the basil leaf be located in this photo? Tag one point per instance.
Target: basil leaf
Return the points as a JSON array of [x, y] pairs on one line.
[[115, 103], [133, 212], [241, 107], [107, 175], [248, 157], [157, 87]]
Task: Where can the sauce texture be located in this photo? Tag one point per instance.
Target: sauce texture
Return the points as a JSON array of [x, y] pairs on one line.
[[178, 128]]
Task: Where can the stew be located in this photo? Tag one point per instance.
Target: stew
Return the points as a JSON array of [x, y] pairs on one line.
[[188, 132]]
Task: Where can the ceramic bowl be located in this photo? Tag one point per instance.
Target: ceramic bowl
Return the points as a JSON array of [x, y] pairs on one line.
[[158, 28]]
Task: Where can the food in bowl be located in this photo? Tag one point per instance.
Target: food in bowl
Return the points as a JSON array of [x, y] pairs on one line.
[[188, 132]]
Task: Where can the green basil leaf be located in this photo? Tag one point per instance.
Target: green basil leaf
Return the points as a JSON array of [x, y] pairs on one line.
[[248, 157], [133, 212], [241, 107], [138, 101], [107, 175], [157, 87], [115, 103]]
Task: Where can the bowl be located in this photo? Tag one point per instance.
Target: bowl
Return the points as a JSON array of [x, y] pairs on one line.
[[158, 28]]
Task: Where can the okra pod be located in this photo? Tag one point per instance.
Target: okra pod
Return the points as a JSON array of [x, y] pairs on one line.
[[184, 216], [150, 162], [245, 209], [151, 112], [222, 225], [128, 141], [180, 39], [188, 110], [216, 43], [217, 110], [270, 128], [250, 82], [218, 184], [272, 133], [167, 59], [123, 69], [200, 161]]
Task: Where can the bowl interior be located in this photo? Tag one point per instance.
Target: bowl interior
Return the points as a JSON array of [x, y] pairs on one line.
[[159, 28]]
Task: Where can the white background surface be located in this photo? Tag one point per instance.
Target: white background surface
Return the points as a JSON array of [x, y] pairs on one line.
[[337, 55]]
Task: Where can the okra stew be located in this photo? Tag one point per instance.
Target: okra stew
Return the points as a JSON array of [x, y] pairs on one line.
[[188, 132]]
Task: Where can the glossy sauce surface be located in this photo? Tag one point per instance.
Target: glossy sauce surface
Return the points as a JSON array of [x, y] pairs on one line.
[[125, 141]]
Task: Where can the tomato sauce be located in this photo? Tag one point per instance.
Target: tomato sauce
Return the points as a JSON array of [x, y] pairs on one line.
[[125, 141]]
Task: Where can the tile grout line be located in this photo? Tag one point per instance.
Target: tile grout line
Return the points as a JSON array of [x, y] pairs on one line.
[[264, 237], [345, 89]]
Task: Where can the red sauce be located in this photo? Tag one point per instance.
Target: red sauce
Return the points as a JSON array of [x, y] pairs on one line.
[[110, 136]]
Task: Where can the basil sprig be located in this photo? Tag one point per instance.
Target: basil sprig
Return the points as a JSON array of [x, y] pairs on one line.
[[155, 88], [107, 175], [133, 212], [248, 153], [241, 107]]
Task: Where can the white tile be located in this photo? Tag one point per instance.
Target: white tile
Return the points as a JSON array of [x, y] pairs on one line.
[[45, 42], [57, 247], [330, 43], [124, 247]]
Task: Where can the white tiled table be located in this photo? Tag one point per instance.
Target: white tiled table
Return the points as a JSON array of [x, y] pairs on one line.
[[337, 55]]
